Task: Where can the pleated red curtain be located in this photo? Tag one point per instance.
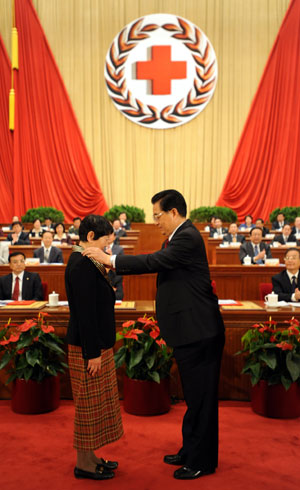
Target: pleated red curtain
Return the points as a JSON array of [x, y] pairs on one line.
[[6, 142], [51, 162], [265, 170]]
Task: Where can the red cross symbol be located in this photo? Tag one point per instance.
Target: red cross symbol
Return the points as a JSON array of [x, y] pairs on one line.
[[161, 70]]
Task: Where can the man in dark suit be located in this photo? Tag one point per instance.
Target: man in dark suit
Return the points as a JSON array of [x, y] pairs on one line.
[[286, 236], [232, 236], [47, 253], [118, 230], [287, 283], [218, 231], [20, 284], [18, 237], [296, 227], [280, 222], [125, 224], [256, 249], [260, 224], [190, 321]]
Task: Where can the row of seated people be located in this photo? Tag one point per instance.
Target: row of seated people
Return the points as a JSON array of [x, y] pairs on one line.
[[23, 285], [216, 229], [280, 239]]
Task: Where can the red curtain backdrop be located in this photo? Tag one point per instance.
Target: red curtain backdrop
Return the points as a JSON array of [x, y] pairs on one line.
[[265, 170], [51, 163], [6, 142]]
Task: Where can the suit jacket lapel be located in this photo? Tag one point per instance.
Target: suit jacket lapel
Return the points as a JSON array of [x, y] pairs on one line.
[[8, 285], [287, 282]]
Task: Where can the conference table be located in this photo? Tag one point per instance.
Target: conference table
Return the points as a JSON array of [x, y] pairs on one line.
[[237, 319]]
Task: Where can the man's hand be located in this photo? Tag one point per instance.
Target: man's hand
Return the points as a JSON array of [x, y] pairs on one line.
[[94, 366], [297, 294], [260, 255], [14, 237], [98, 255]]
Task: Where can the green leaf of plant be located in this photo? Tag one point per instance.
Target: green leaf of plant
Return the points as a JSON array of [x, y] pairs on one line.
[[135, 357], [150, 360], [32, 356], [286, 382], [155, 376], [293, 366], [269, 357], [5, 359], [28, 373]]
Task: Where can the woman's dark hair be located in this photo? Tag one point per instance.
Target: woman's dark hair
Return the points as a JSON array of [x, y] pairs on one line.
[[249, 216], [170, 199], [98, 224], [57, 224]]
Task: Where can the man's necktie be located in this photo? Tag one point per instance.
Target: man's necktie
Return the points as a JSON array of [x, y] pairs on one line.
[[166, 243], [294, 283], [234, 238], [256, 252], [47, 255], [16, 291]]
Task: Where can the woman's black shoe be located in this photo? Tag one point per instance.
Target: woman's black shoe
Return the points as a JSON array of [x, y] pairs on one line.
[[109, 465], [101, 473]]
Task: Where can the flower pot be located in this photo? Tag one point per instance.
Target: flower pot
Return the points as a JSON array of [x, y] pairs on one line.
[[32, 397], [274, 401], [146, 397]]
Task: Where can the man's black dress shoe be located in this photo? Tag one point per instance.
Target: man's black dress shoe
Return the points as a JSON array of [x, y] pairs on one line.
[[109, 465], [186, 473], [101, 473], [175, 459]]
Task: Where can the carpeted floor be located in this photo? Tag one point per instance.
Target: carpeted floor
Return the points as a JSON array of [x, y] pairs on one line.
[[256, 453]]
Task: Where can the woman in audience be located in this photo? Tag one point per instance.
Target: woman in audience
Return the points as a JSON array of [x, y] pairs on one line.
[[37, 229], [248, 223], [61, 235]]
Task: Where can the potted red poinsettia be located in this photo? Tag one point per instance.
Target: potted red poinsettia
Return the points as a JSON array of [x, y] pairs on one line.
[[273, 362], [33, 356], [148, 362]]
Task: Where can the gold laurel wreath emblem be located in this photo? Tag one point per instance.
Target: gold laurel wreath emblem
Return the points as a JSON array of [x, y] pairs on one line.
[[203, 84]]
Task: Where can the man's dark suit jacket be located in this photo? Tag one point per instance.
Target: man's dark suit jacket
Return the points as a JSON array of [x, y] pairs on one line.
[[91, 301], [31, 286], [214, 230], [55, 256], [275, 224], [117, 283], [120, 233], [23, 238], [247, 249], [283, 286], [280, 239], [187, 310], [228, 238], [294, 230]]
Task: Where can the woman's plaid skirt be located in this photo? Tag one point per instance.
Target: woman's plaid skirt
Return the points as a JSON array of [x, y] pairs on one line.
[[97, 408]]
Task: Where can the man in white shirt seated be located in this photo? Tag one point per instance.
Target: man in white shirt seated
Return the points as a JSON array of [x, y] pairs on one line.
[[47, 253], [19, 284], [256, 248], [287, 283], [218, 231], [296, 227], [4, 252], [232, 236], [286, 236]]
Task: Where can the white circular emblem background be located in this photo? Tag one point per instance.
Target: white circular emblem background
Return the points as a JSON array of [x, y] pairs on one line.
[[161, 71]]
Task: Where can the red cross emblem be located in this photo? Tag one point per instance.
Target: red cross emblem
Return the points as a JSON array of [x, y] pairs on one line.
[[161, 70]]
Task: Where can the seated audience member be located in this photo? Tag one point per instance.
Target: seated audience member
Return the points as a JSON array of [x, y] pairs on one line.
[[286, 236], [17, 236], [287, 283], [37, 229], [116, 280], [74, 229], [259, 223], [1, 232], [20, 284], [47, 253], [232, 236], [124, 221], [61, 235], [218, 231], [296, 227], [248, 223], [48, 224], [118, 230], [256, 248], [211, 224], [15, 219], [4, 252], [280, 222]]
